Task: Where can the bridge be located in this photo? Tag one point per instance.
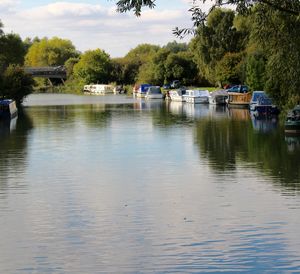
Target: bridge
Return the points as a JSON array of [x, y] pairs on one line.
[[51, 73]]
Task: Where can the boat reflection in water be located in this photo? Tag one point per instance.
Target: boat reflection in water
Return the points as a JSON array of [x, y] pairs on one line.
[[196, 110], [293, 142], [240, 114], [264, 123], [7, 126], [141, 104]]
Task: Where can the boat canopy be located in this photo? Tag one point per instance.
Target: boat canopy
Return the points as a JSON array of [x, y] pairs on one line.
[[154, 90], [221, 92], [258, 94], [144, 87]]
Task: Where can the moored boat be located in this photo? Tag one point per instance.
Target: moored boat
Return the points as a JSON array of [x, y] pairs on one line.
[[236, 99], [261, 104], [196, 96], [292, 122], [142, 90], [177, 95], [8, 108], [218, 97], [154, 92]]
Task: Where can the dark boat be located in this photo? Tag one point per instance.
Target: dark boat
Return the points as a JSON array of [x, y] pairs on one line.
[[292, 122], [8, 109], [261, 104]]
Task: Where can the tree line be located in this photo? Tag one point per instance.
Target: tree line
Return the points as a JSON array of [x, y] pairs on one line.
[[259, 47]]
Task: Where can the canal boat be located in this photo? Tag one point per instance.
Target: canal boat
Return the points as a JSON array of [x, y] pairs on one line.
[[8, 109], [142, 90], [292, 122], [196, 96], [154, 92], [237, 99], [261, 104], [176, 95], [101, 89], [218, 97]]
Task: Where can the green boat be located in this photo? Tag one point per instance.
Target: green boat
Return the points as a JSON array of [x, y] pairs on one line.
[[292, 122]]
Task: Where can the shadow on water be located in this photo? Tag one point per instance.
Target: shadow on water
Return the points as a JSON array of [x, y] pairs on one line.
[[261, 143], [13, 148]]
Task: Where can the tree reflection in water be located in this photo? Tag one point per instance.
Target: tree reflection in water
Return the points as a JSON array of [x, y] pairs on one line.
[[228, 141]]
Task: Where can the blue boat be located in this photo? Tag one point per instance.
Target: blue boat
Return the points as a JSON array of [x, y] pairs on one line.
[[261, 104], [8, 109]]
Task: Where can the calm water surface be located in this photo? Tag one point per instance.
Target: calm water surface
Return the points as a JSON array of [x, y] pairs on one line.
[[111, 185]]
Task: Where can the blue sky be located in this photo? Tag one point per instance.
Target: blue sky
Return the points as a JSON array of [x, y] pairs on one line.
[[95, 24]]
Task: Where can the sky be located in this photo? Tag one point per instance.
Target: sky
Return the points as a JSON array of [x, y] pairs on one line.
[[95, 23]]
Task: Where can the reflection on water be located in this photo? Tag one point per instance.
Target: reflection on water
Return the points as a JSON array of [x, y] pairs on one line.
[[264, 124], [110, 184]]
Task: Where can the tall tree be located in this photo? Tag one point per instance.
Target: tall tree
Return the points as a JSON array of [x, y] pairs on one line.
[[94, 66], [50, 52], [16, 83], [214, 39]]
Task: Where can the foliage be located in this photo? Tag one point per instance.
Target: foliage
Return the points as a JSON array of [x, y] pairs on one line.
[[129, 67], [12, 50], [94, 66], [230, 68], [50, 52], [176, 47], [282, 51], [16, 83], [69, 65], [214, 40], [181, 66], [255, 71]]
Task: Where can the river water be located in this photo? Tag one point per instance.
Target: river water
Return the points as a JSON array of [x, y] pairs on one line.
[[109, 184]]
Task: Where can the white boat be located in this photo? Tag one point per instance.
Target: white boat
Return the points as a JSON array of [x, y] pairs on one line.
[[196, 96], [100, 89], [177, 95], [154, 92], [218, 97]]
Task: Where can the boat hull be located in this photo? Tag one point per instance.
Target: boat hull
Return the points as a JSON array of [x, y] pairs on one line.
[[292, 127], [8, 109], [197, 100]]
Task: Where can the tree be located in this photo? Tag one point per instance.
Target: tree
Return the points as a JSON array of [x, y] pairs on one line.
[[214, 39], [181, 66], [230, 68], [255, 71], [281, 49], [136, 60], [16, 83], [50, 52], [94, 66], [1, 26], [198, 16], [12, 49]]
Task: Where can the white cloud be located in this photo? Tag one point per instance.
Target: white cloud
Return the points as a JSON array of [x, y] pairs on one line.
[[91, 26], [8, 5]]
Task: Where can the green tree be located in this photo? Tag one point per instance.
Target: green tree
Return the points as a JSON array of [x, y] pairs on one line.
[[181, 66], [230, 68], [50, 52], [94, 66], [12, 50], [255, 71], [69, 65], [16, 83], [135, 61], [214, 39], [277, 34]]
